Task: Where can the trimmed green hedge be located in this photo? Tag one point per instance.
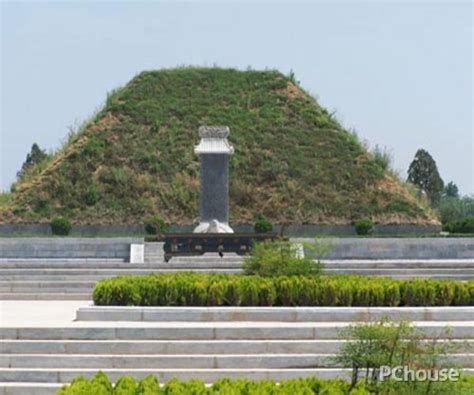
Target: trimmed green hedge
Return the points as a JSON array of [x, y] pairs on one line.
[[149, 386], [195, 289], [101, 385]]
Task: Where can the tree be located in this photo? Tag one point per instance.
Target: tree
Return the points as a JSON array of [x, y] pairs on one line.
[[35, 156], [451, 190], [423, 173]]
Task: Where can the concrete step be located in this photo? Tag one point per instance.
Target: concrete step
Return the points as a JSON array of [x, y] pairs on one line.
[[138, 347], [92, 277], [390, 272], [179, 347], [49, 290], [97, 261], [207, 375], [120, 266], [217, 331], [273, 314], [19, 388], [73, 271], [66, 375], [46, 296], [398, 264], [52, 278], [4, 273], [47, 284], [389, 269], [185, 361]]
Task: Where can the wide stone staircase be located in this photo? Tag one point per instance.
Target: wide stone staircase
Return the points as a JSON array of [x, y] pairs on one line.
[[67, 268], [74, 279], [57, 279], [208, 343]]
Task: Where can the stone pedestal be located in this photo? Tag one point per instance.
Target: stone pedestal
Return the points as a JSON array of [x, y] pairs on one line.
[[214, 151]]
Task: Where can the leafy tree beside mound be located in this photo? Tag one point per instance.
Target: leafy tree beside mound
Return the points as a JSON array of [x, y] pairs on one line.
[[294, 162], [423, 173]]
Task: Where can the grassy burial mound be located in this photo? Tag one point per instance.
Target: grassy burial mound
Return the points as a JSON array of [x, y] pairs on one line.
[[294, 162]]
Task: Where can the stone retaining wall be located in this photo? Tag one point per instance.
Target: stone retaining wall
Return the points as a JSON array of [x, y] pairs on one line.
[[307, 230], [343, 248], [402, 248], [70, 247]]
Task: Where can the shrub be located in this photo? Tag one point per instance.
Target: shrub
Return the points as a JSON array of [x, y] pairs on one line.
[[465, 225], [318, 249], [156, 225], [382, 157], [364, 227], [277, 258], [60, 226], [386, 343], [452, 208], [198, 289], [303, 386], [92, 196], [262, 224]]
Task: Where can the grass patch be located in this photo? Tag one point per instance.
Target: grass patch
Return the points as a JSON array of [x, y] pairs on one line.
[[6, 200]]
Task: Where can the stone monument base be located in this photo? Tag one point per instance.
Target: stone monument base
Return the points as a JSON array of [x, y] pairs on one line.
[[213, 227]]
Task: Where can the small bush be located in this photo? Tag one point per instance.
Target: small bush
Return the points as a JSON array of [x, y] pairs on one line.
[[61, 226], [364, 227], [279, 258], [382, 157], [198, 289], [262, 224], [465, 225], [156, 225], [92, 196], [303, 386], [386, 343], [452, 208]]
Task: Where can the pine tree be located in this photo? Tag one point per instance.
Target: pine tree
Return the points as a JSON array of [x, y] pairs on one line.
[[423, 173], [451, 190], [35, 156]]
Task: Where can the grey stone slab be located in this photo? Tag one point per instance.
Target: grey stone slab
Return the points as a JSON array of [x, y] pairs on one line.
[[29, 375], [29, 388], [273, 314], [255, 332], [187, 361], [43, 290], [120, 347], [165, 333], [67, 247]]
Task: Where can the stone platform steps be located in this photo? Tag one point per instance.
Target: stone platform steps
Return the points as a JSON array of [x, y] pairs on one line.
[[74, 279], [184, 347], [204, 343], [229, 314]]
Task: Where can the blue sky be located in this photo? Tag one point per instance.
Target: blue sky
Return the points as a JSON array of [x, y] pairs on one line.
[[398, 72]]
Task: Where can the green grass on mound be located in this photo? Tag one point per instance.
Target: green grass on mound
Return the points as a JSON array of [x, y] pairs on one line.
[[294, 162]]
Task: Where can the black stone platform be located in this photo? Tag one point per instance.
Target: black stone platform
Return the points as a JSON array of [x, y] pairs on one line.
[[189, 244]]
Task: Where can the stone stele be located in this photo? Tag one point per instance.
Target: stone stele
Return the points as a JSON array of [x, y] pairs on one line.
[[214, 151]]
